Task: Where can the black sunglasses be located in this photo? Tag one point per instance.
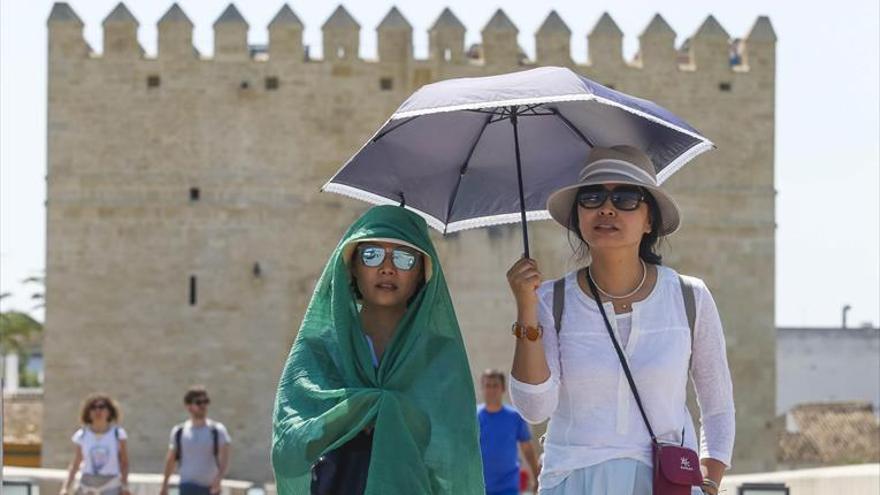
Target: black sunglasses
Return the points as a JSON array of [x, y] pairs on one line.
[[373, 256], [624, 198], [100, 405], [201, 402]]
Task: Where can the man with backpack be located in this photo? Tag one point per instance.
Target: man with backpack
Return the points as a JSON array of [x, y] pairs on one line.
[[199, 448]]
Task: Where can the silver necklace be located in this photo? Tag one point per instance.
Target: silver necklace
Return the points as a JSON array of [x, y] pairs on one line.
[[609, 296]]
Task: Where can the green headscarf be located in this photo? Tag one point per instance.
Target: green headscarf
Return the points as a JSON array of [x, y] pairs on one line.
[[420, 399]]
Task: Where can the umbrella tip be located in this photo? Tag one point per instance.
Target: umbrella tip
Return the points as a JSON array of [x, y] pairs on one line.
[[402, 199]]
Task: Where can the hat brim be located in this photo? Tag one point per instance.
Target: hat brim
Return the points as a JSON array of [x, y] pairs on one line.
[[560, 202], [349, 248]]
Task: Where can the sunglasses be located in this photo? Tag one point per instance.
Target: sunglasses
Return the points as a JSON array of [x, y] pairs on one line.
[[96, 407], [201, 402], [624, 198], [373, 256]]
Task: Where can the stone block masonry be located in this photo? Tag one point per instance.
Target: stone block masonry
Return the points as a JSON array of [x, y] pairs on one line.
[[186, 231]]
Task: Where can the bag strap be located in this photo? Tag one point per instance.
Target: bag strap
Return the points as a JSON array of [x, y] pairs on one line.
[[558, 302], [623, 363], [178, 432], [215, 435], [690, 304], [690, 308]]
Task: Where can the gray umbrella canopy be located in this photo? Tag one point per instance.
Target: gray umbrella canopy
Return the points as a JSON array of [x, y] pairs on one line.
[[457, 151]]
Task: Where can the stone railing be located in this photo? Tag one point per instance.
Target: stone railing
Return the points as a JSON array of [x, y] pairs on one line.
[[860, 479], [49, 481]]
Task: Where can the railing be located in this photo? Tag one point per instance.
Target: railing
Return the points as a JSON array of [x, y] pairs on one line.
[[40, 481], [860, 479]]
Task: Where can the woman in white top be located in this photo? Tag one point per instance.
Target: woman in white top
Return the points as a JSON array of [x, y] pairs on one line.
[[99, 450], [597, 441]]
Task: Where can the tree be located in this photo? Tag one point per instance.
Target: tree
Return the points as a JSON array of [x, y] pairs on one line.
[[17, 330]]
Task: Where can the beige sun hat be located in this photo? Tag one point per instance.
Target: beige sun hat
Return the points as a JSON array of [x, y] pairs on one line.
[[619, 164], [348, 251]]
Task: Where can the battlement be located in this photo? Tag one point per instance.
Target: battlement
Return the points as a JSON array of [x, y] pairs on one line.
[[710, 47]]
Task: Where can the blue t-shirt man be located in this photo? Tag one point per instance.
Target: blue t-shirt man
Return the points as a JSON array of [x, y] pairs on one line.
[[500, 434], [503, 433]]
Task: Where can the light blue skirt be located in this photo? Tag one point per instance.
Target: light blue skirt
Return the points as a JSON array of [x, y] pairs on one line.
[[614, 477]]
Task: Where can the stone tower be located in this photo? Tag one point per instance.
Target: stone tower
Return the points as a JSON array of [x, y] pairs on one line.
[[186, 231]]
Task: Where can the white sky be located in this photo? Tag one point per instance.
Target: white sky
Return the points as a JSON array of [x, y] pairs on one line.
[[828, 120]]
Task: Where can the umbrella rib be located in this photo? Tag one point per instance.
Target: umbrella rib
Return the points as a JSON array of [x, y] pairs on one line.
[[572, 128], [397, 126], [487, 112], [462, 171]]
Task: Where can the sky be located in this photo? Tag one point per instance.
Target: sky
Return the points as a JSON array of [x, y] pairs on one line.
[[827, 127]]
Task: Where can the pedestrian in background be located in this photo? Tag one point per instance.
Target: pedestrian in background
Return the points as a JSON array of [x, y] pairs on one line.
[[199, 448], [99, 451], [503, 434]]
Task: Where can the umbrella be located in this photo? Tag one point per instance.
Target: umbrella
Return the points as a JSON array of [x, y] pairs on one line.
[[474, 152]]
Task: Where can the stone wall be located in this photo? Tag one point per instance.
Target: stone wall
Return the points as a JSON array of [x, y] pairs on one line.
[[179, 172]]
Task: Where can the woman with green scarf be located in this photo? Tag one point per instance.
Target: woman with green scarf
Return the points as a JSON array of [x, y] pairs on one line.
[[379, 362]]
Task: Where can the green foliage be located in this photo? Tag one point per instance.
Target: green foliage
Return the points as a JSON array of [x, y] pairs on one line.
[[17, 330]]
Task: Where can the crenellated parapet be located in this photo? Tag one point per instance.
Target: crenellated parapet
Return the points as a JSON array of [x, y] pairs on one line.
[[395, 37], [446, 38], [285, 36], [66, 33], [710, 48], [605, 43], [657, 45], [553, 41], [175, 35], [230, 35]]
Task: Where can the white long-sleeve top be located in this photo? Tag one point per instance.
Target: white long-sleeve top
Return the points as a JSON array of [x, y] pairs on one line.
[[593, 415]]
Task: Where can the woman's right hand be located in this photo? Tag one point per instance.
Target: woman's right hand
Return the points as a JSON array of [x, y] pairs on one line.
[[524, 279]]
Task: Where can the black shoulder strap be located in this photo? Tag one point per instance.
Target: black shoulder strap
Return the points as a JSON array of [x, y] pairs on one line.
[[558, 303], [623, 363], [216, 436], [178, 433], [690, 308], [116, 432]]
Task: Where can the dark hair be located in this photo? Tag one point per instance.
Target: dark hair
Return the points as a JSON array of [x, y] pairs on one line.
[[193, 393], [112, 407], [647, 246], [495, 373]]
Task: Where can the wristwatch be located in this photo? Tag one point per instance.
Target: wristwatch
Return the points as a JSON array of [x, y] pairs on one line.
[[521, 331]]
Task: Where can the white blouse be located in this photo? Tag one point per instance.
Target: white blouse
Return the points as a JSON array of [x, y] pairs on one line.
[[593, 415]]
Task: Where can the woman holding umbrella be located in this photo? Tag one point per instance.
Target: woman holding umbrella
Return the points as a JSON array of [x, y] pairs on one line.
[[612, 376], [377, 396]]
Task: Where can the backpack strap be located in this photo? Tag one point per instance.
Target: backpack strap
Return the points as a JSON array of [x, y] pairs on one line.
[[558, 302], [215, 435], [116, 432], [178, 433], [690, 308]]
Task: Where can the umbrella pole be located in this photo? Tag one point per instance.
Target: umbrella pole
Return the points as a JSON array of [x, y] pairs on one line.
[[522, 201]]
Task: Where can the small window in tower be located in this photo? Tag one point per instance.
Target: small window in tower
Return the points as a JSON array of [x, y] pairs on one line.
[[725, 86], [193, 283], [153, 81], [447, 55], [386, 83], [340, 52], [244, 85], [271, 83], [194, 194]]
